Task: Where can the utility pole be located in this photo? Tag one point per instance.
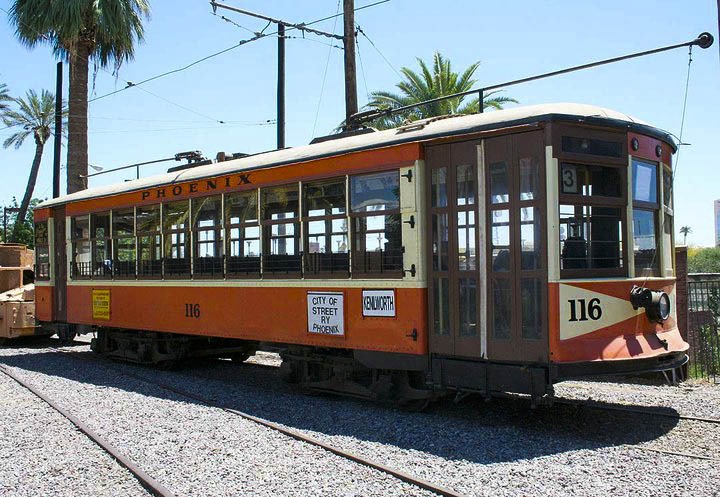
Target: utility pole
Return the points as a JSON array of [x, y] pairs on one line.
[[58, 131], [351, 105], [281, 88]]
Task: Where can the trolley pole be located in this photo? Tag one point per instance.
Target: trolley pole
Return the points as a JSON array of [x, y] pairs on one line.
[[351, 105], [281, 88], [58, 131]]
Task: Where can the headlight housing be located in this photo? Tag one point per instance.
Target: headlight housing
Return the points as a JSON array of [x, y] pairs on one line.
[[656, 303]]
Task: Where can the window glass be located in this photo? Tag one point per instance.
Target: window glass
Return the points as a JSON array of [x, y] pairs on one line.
[[441, 306], [280, 202], [577, 145], [80, 227], [467, 306], [207, 212], [124, 260], [644, 181], [529, 178], [530, 238], [500, 239], [148, 218], [501, 308], [149, 254], [241, 207], [466, 240], [465, 181], [668, 244], [439, 187], [41, 233], [585, 180], [531, 295], [378, 243], [43, 261], [123, 222], [324, 199], [100, 225], [645, 240], [499, 184], [440, 242], [590, 237], [375, 192], [175, 215], [82, 259]]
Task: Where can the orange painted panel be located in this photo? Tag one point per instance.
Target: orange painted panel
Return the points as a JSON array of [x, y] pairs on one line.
[[619, 333], [273, 314], [44, 303], [372, 160], [41, 215]]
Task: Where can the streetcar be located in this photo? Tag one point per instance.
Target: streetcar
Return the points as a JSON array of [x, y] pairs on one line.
[[495, 252]]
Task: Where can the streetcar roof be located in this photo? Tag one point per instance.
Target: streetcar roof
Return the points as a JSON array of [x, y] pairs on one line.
[[457, 125]]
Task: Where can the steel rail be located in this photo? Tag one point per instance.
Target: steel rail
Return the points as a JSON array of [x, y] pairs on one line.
[[648, 411], [148, 482], [401, 475]]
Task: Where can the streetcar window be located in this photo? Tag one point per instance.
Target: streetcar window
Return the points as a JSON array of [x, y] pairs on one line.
[[149, 247], [42, 251], [207, 236], [326, 227], [81, 266], [176, 238], [281, 230], [101, 246], [590, 237], [585, 180], [375, 201], [667, 188], [243, 232], [645, 217], [123, 233], [576, 145]]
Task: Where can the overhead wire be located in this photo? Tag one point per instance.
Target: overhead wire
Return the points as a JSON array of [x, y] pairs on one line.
[[322, 86], [360, 30], [362, 67]]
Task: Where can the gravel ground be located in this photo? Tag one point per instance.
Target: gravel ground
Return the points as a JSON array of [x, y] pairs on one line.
[[500, 448], [41, 452], [193, 449]]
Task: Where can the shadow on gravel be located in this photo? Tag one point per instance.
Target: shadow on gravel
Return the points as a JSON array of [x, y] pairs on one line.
[[502, 430]]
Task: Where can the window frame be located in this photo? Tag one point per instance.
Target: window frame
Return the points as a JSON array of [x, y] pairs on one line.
[[309, 266], [156, 263], [654, 207], [230, 273], [619, 163], [75, 272], [267, 236], [185, 266], [116, 244], [44, 243], [358, 236], [218, 241], [107, 273]]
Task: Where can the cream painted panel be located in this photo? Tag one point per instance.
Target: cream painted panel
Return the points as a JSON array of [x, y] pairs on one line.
[[553, 215], [614, 310], [408, 189]]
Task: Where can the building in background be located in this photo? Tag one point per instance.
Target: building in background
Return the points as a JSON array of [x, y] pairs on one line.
[[717, 223]]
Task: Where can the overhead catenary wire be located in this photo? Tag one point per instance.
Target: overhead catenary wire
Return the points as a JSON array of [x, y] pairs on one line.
[[360, 30], [322, 86], [362, 67]]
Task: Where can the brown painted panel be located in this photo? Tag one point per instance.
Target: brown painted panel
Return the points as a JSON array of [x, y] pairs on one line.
[[60, 294]]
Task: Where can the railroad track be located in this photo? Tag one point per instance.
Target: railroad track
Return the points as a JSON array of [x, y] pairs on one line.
[[405, 477], [148, 482], [646, 411]]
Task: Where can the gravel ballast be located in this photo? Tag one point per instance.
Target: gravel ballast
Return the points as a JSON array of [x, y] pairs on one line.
[[499, 448]]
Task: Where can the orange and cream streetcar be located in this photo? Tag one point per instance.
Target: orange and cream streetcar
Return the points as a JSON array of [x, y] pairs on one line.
[[486, 253]]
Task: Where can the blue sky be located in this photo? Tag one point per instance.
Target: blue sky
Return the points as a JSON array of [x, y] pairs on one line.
[[511, 39]]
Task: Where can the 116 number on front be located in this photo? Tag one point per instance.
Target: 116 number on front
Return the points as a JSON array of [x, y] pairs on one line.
[[587, 310]]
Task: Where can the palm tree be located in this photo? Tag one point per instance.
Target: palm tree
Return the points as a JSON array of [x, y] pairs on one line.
[[428, 85], [34, 116], [105, 31], [685, 231], [4, 97]]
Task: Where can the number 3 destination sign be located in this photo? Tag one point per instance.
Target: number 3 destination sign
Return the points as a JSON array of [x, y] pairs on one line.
[[325, 313]]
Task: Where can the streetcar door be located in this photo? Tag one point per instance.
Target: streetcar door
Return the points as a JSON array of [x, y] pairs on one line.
[[453, 265], [514, 172], [60, 293]]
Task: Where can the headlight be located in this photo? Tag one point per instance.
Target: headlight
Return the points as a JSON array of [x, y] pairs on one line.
[[655, 302]]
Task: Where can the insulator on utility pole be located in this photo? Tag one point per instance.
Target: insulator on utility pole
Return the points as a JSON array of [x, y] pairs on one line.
[[351, 104]]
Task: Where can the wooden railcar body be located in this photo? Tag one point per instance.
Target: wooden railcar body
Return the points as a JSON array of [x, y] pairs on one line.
[[474, 283]]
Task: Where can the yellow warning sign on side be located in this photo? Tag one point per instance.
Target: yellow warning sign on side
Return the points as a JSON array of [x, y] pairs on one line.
[[101, 304]]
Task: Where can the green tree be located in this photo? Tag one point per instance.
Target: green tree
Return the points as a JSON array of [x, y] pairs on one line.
[[685, 231], [34, 116], [4, 97], [26, 229], [105, 31], [704, 260], [426, 85]]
